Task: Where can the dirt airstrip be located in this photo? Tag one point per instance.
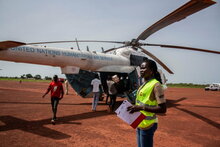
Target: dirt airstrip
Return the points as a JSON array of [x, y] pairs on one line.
[[192, 120]]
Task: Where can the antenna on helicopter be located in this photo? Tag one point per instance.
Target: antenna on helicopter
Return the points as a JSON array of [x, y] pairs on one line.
[[87, 48], [102, 50], [77, 44]]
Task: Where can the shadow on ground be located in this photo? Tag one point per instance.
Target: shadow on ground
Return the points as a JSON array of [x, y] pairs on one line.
[[37, 127]]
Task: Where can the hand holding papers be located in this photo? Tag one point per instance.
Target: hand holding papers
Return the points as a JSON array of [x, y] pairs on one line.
[[133, 119]]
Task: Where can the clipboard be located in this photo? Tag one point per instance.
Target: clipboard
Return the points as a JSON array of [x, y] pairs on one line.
[[133, 119]]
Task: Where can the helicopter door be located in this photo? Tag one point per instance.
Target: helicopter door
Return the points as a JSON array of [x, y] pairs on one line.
[[127, 86], [134, 83], [81, 82]]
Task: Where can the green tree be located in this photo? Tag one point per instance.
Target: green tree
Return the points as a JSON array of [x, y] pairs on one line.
[[23, 76], [47, 78], [37, 77], [28, 76]]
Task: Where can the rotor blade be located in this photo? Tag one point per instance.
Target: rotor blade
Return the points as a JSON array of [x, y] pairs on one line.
[[75, 41], [187, 9], [184, 48], [156, 59], [9, 44], [112, 49]]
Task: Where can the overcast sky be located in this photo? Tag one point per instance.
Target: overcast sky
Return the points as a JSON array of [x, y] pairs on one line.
[[119, 20]]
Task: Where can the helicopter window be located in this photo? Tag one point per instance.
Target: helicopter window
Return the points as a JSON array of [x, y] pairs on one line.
[[136, 60]]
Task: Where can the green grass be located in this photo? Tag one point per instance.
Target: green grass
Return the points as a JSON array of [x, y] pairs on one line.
[[180, 85], [186, 85]]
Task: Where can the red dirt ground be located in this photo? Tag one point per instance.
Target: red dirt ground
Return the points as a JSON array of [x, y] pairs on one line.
[[192, 120]]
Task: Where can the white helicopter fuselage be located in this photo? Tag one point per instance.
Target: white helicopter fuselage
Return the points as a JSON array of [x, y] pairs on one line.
[[69, 60]]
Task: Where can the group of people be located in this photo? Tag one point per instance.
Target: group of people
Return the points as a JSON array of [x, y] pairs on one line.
[[150, 99], [112, 91]]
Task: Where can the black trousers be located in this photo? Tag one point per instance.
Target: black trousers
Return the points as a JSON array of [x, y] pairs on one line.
[[54, 104], [112, 100]]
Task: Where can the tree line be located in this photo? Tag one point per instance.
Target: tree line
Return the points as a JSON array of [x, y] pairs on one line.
[[30, 76]]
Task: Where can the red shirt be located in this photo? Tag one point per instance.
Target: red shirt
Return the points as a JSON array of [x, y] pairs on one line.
[[56, 89]]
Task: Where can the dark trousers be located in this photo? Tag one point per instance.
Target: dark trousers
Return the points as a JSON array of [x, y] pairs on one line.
[[54, 104], [106, 101], [112, 101]]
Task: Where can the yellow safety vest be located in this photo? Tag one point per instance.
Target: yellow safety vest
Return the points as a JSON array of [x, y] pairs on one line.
[[143, 98]]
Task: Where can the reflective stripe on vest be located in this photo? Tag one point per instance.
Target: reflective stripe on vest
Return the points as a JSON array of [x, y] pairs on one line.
[[150, 117], [143, 98], [142, 104]]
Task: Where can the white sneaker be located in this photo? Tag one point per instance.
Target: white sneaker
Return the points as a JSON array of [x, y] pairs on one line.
[[53, 121]]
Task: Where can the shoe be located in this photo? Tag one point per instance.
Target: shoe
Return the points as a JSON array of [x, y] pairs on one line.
[[53, 121]]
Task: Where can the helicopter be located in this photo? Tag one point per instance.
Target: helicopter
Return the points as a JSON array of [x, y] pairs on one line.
[[80, 67]]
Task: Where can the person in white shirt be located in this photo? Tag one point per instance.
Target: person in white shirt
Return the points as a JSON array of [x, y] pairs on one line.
[[66, 87], [96, 83]]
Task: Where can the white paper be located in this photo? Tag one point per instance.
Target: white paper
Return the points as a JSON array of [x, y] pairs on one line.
[[123, 114]]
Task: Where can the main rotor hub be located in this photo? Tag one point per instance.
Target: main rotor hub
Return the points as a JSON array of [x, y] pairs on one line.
[[134, 42]]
